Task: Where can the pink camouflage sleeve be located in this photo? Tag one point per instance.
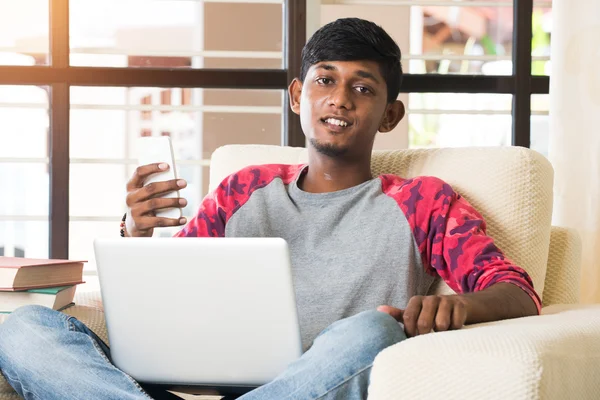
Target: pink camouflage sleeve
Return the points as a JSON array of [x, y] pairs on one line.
[[451, 236], [233, 192]]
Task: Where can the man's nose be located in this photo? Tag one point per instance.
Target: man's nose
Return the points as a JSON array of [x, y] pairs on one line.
[[341, 98]]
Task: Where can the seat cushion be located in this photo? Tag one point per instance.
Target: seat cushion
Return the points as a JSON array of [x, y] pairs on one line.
[[510, 186], [549, 357]]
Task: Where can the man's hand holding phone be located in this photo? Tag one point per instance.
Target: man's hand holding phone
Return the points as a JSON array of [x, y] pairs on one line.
[[143, 202]]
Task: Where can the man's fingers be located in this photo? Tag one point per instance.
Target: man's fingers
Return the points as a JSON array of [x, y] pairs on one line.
[[459, 315], [146, 223], [393, 311], [443, 318], [158, 189], [411, 315], [428, 313], [154, 190], [142, 172], [160, 203]]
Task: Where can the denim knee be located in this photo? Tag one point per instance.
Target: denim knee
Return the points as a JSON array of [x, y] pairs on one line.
[[364, 334], [25, 326], [31, 313], [36, 315], [375, 327]]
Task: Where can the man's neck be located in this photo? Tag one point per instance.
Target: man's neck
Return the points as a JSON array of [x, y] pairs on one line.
[[326, 174]]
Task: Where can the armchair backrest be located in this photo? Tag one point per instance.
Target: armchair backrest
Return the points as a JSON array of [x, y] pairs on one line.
[[510, 186]]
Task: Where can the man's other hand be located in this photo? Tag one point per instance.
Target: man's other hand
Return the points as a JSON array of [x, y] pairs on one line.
[[425, 314]]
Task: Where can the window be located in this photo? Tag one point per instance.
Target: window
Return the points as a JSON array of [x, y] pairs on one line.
[[105, 124], [540, 123], [540, 42], [459, 119], [461, 45], [176, 34], [440, 36], [24, 32], [195, 70], [24, 175], [213, 72]]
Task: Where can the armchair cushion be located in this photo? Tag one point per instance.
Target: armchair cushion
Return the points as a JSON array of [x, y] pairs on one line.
[[552, 356], [564, 263]]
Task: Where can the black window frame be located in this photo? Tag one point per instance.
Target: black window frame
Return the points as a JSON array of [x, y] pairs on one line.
[[59, 76]]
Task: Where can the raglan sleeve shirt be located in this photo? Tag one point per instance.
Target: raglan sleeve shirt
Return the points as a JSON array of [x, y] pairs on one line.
[[231, 194], [451, 237], [216, 208], [449, 232]]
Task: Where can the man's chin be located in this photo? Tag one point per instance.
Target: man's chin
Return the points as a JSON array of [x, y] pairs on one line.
[[328, 149]]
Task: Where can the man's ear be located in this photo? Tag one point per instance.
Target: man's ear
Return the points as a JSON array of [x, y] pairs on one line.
[[295, 91], [394, 113]]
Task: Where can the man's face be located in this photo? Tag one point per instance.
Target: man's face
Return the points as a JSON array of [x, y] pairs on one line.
[[342, 105]]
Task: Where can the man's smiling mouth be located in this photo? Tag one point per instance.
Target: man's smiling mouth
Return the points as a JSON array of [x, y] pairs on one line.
[[336, 124], [334, 121]]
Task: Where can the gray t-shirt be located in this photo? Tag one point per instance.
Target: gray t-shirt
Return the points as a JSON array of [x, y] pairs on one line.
[[351, 250]]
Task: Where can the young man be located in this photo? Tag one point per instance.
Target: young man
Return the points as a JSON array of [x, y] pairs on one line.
[[364, 249]]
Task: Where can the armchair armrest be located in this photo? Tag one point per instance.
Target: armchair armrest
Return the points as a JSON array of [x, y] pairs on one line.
[[552, 356]]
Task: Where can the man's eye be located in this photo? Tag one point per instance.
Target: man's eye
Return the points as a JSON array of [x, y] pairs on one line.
[[362, 89], [324, 81]]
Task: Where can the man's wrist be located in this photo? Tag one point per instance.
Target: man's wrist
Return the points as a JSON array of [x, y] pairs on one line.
[[502, 300], [471, 307], [123, 229]]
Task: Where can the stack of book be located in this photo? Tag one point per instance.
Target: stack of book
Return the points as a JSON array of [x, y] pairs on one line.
[[49, 283]]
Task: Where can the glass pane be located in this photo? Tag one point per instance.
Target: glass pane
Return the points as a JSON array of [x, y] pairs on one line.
[[25, 189], [24, 121], [540, 103], [24, 32], [459, 119], [106, 123], [540, 123], [176, 34], [540, 40], [453, 39], [81, 239], [24, 239]]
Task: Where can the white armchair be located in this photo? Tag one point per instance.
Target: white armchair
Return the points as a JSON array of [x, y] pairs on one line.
[[553, 356]]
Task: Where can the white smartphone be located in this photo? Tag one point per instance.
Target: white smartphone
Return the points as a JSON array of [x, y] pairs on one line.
[[160, 150]]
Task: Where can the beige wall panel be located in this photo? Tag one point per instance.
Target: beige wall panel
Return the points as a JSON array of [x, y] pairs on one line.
[[242, 97], [241, 63], [227, 128], [239, 26]]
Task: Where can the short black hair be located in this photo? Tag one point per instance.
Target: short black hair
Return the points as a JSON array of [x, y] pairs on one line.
[[353, 39]]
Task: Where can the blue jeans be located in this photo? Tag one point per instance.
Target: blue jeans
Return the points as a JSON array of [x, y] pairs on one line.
[[45, 354]]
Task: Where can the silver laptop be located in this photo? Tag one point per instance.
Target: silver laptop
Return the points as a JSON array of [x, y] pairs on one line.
[[212, 312]]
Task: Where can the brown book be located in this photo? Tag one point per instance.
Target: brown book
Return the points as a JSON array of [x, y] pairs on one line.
[[29, 273]]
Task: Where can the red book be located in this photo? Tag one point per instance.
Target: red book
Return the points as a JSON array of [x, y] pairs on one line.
[[30, 273]]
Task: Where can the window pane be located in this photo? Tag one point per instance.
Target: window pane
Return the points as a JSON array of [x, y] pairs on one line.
[[106, 123], [24, 32], [452, 39], [24, 239], [176, 34], [81, 239], [540, 40], [24, 189], [24, 116], [540, 123], [24, 179], [459, 119]]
